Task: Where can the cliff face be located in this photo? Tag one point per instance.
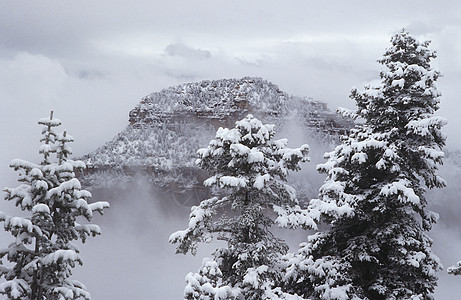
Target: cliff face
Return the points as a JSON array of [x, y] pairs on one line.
[[166, 128], [217, 101]]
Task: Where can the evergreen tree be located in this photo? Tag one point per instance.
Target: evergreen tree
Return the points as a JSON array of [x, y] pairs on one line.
[[373, 198], [250, 169], [42, 256]]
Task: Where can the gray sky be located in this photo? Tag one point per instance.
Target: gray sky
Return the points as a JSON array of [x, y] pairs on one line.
[[92, 61]]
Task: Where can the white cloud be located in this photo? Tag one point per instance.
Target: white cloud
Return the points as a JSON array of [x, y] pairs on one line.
[[179, 49]]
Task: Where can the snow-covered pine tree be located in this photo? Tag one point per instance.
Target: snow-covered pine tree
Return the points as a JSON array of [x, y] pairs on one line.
[[250, 169], [373, 198], [40, 260]]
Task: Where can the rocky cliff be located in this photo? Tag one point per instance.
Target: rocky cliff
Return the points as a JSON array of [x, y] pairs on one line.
[[166, 128]]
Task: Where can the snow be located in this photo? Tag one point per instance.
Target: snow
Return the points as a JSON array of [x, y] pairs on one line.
[[381, 164], [65, 138], [207, 288], [65, 186], [373, 92], [49, 122], [359, 157], [88, 229], [232, 181], [230, 135], [22, 223], [339, 293], [65, 292], [65, 167], [369, 143], [83, 206], [347, 113], [222, 293], [36, 172], [331, 208], [197, 217], [455, 270], [328, 165], [99, 206], [36, 196], [432, 153], [261, 180], [210, 181], [280, 143], [23, 164], [77, 164], [61, 255], [240, 149], [252, 276], [333, 186], [45, 148], [415, 258], [294, 217], [401, 187], [289, 153], [82, 194], [243, 159], [17, 287], [21, 193], [40, 184], [255, 156], [414, 68], [424, 126], [389, 153], [399, 72], [41, 208]]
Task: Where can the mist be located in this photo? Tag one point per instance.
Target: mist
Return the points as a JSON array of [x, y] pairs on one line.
[[132, 259], [92, 62]]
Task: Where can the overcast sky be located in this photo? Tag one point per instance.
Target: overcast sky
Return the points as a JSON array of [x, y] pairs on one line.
[[92, 61]]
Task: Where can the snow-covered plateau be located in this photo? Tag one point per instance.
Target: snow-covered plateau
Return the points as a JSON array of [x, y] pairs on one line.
[[166, 128]]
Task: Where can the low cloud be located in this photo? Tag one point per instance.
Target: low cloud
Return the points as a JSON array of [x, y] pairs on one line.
[[423, 28], [64, 56], [179, 49]]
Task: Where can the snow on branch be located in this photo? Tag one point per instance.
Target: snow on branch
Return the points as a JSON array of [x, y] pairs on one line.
[[41, 209], [99, 206], [73, 290], [54, 199], [87, 229], [72, 184], [19, 223], [347, 113], [15, 289], [455, 270], [425, 126], [49, 122], [60, 256], [197, 230], [294, 217], [406, 194], [250, 169], [17, 164]]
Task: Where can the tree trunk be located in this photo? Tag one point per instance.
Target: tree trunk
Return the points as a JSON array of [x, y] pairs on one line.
[[33, 295]]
